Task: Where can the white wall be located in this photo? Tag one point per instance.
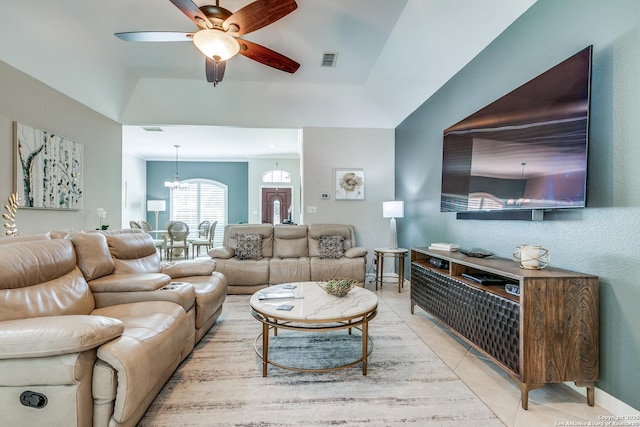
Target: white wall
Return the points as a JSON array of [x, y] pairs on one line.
[[134, 189], [373, 150], [28, 101]]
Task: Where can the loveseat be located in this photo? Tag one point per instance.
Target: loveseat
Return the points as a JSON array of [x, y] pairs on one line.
[[74, 354], [254, 256]]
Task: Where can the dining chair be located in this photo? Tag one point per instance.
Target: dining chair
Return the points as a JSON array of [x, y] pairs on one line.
[[159, 243], [134, 224], [176, 239], [207, 242], [203, 229]]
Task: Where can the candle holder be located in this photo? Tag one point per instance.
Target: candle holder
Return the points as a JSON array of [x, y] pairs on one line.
[[531, 257]]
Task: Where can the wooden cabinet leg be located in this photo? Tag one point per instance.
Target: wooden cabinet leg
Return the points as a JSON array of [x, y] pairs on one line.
[[590, 391], [524, 390]]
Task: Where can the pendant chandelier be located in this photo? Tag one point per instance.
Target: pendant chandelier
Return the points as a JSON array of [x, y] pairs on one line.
[[176, 184]]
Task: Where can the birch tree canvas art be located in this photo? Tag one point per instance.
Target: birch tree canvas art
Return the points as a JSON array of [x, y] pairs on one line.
[[48, 169]]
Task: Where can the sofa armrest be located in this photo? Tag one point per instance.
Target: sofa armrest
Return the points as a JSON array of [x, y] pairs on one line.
[[56, 335], [116, 289], [191, 267], [130, 282], [222, 252], [355, 252]]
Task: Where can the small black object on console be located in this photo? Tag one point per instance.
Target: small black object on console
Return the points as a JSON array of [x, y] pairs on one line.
[[439, 263], [476, 252], [485, 279], [512, 289]]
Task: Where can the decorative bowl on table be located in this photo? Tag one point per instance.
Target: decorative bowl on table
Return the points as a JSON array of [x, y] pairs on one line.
[[338, 287]]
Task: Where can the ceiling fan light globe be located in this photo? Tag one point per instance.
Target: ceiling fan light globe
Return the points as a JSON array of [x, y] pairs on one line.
[[216, 44]]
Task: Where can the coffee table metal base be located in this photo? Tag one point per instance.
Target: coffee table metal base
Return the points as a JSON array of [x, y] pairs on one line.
[[268, 324]]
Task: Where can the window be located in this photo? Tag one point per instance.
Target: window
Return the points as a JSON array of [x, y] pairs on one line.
[[276, 175], [276, 212], [204, 200]]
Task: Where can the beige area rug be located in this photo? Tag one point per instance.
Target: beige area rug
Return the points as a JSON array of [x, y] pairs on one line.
[[221, 383]]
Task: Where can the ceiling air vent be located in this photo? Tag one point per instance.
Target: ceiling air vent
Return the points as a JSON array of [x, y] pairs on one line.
[[329, 59], [152, 128]]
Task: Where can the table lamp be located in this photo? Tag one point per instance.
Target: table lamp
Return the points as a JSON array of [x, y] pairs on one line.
[[393, 209], [156, 206]]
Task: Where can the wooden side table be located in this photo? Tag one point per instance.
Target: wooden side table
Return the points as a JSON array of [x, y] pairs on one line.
[[381, 253]]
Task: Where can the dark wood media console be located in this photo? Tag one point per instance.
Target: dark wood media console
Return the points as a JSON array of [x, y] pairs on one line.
[[548, 334]]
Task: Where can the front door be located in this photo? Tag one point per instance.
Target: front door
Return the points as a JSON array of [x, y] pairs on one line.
[[276, 203]]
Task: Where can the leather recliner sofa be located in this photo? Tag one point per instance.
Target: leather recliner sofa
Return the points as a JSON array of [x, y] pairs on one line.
[[287, 253], [71, 356], [123, 266]]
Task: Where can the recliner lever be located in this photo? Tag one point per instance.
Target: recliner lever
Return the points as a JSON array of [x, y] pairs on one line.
[[33, 399]]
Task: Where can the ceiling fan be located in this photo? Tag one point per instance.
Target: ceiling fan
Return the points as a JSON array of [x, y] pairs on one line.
[[218, 34]]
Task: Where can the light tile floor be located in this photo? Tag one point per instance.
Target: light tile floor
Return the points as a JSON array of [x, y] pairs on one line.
[[552, 405]]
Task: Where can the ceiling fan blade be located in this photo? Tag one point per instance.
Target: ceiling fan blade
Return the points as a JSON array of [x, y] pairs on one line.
[[190, 9], [214, 70], [258, 14], [155, 36], [267, 56]]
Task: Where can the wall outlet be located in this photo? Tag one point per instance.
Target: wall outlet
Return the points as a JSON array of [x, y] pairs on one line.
[[312, 209]]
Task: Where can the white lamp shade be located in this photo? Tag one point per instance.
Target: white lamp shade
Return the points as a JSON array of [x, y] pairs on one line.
[[156, 205], [393, 209], [216, 44]]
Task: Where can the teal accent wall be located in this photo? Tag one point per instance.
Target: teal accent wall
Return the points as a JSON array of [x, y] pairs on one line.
[[601, 239], [234, 174]]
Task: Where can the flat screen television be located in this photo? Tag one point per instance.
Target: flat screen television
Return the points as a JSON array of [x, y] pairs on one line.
[[525, 151]]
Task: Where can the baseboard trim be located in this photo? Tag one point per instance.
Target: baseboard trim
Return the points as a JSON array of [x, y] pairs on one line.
[[607, 401]]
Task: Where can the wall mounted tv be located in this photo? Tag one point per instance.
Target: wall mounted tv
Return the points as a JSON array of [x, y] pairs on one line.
[[525, 152]]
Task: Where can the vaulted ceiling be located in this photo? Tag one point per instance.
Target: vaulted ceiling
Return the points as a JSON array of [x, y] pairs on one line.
[[391, 56]]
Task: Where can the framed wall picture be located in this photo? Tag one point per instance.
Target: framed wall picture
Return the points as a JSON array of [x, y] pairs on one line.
[[48, 169], [349, 184]]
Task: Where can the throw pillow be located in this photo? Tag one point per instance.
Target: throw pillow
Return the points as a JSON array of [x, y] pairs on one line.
[[331, 246], [249, 246]]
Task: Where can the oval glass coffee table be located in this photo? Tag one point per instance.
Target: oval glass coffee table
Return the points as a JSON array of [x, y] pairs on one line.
[[313, 311]]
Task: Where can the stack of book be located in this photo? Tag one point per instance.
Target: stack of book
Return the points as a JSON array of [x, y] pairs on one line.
[[278, 293], [450, 247]]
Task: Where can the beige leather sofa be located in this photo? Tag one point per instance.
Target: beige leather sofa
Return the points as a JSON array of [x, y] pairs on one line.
[[72, 356], [288, 253], [123, 266]]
